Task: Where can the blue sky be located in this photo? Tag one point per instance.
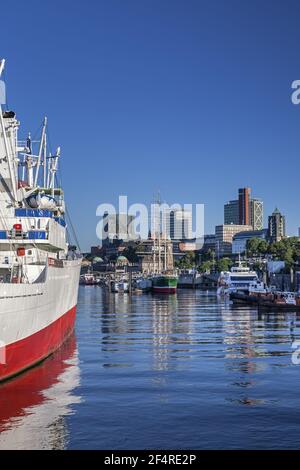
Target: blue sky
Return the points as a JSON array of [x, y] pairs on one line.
[[188, 97]]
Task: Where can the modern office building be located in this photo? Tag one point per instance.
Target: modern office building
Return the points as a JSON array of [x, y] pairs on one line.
[[244, 206], [177, 224], [209, 243], [244, 210], [224, 236], [231, 212], [239, 241], [256, 214], [276, 226]]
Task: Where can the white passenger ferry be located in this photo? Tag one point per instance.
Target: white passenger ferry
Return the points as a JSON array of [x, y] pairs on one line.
[[239, 278]]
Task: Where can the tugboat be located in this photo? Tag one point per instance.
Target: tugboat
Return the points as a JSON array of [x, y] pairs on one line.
[[39, 271], [266, 298]]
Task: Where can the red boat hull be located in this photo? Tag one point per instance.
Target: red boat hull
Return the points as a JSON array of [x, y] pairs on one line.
[[164, 290], [29, 351]]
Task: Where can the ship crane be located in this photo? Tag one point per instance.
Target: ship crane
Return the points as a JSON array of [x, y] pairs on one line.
[[53, 161]]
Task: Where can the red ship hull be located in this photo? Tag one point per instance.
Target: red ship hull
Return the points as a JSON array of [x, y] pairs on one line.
[[27, 352], [164, 290]]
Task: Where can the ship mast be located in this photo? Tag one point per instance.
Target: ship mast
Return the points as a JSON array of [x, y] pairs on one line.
[[154, 234], [8, 153], [42, 145], [159, 235], [165, 257]]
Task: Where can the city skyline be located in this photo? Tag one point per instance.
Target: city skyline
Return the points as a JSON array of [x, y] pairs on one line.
[[189, 99], [164, 215]]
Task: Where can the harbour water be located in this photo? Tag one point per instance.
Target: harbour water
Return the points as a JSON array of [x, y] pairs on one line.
[[184, 371]]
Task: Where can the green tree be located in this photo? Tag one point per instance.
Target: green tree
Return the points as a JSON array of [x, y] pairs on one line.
[[187, 261], [252, 246], [263, 247], [223, 264], [205, 267]]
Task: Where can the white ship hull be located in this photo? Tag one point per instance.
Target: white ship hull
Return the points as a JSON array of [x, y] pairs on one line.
[[36, 318]]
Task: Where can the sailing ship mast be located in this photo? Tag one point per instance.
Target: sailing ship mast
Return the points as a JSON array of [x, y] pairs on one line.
[[165, 257], [159, 234]]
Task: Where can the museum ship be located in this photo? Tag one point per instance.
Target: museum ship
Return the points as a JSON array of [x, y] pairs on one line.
[[39, 271]]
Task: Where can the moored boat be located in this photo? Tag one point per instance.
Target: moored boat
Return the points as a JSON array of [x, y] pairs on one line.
[[121, 286], [89, 279], [238, 279], [189, 279], [143, 284], [266, 298], [39, 271], [164, 283]]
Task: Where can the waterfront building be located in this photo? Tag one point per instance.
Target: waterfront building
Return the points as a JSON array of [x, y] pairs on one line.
[[239, 241], [276, 226], [231, 212], [224, 235]]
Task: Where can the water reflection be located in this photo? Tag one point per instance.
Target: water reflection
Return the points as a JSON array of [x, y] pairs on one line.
[[34, 405], [215, 375], [252, 341], [164, 322]]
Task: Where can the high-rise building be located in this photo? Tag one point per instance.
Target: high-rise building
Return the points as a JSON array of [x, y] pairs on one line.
[[224, 235], [178, 224], [231, 212], [244, 206], [256, 214], [276, 226], [244, 210]]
